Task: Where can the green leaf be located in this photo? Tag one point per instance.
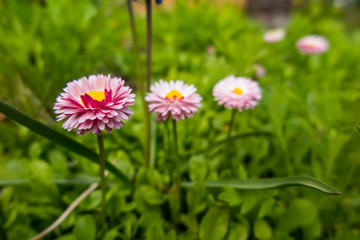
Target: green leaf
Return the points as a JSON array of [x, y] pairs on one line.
[[85, 228], [215, 224], [238, 232], [155, 233], [57, 137], [231, 196], [20, 232], [112, 234], [196, 198], [269, 183], [235, 137], [301, 212], [266, 207], [67, 181], [262, 230]]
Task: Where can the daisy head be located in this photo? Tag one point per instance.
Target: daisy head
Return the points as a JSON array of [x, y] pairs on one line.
[[94, 104], [274, 35], [312, 44], [173, 98], [259, 70], [237, 92]]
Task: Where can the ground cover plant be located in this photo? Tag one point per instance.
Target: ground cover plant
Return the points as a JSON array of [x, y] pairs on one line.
[[211, 184]]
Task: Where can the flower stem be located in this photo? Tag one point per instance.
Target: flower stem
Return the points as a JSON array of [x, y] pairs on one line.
[[148, 79], [102, 175], [141, 80], [136, 49], [148, 44], [230, 128], [227, 162], [174, 195], [177, 160]]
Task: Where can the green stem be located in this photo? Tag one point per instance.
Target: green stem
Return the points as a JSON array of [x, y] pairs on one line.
[[102, 175], [141, 79], [230, 127], [227, 161], [174, 195], [177, 159], [148, 44], [136, 49], [148, 80]]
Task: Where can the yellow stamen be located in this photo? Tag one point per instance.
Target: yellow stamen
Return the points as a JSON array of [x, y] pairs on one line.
[[273, 32], [96, 95], [173, 93], [238, 91]]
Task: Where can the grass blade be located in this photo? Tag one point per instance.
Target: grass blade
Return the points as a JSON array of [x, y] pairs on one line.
[[58, 138], [255, 184], [65, 181], [236, 137]]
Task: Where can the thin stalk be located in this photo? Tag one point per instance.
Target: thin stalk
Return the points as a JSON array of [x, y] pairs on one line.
[[148, 80], [102, 175], [141, 79], [230, 127], [136, 49], [177, 159], [67, 212], [174, 195], [148, 43], [227, 161]]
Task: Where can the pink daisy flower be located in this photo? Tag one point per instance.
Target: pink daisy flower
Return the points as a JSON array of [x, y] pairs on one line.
[[237, 92], [260, 70], [274, 35], [312, 44], [175, 98], [94, 104]]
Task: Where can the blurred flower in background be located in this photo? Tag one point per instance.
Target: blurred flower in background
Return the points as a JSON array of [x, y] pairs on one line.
[[173, 98], [274, 35], [259, 70], [237, 92], [312, 44], [94, 104]]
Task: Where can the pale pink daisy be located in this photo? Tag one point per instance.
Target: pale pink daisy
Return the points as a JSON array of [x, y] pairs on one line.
[[260, 70], [274, 35], [94, 104], [237, 92], [312, 44], [173, 98]]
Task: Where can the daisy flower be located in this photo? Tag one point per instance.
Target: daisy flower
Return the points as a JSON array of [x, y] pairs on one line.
[[312, 44], [274, 35], [237, 92], [94, 104], [173, 98], [260, 70]]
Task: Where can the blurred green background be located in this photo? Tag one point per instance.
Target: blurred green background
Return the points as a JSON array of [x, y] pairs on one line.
[[310, 106]]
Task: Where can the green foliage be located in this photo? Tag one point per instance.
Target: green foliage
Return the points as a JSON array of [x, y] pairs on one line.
[[215, 223], [305, 125], [85, 228]]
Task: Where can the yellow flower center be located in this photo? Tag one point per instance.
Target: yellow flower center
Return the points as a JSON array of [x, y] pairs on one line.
[[96, 95], [238, 91], [173, 93], [273, 32], [311, 45]]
